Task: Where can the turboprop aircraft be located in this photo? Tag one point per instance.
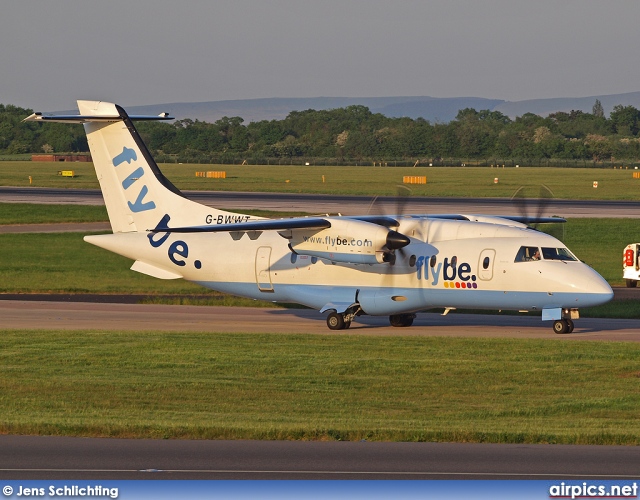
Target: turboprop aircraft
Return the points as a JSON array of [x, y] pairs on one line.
[[346, 266]]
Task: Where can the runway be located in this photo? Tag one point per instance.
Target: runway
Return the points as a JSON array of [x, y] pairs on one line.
[[33, 457], [29, 315], [346, 205]]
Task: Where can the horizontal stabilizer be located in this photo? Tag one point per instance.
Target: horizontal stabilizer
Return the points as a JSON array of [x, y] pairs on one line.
[[37, 117]]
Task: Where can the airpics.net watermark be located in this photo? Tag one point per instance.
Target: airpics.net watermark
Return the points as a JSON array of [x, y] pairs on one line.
[[587, 490], [94, 491]]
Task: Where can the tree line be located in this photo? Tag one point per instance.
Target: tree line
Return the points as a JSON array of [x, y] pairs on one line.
[[355, 133]]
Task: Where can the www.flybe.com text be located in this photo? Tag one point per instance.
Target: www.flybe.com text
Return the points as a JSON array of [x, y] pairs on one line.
[[338, 241]]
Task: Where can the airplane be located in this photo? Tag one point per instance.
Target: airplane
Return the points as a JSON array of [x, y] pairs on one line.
[[346, 266]]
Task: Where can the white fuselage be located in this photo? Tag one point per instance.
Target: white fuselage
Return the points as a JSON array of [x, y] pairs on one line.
[[449, 263]]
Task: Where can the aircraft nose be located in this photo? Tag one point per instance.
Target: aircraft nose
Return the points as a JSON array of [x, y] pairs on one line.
[[597, 288]]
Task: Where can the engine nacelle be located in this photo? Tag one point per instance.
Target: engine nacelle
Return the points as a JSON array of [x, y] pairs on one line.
[[348, 240]]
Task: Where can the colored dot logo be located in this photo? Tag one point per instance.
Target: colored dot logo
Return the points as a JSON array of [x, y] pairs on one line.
[[460, 284]]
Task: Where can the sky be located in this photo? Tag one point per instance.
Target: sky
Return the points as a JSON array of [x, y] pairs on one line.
[[138, 52]]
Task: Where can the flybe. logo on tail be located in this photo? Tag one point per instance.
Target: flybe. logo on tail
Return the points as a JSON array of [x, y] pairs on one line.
[[128, 155]]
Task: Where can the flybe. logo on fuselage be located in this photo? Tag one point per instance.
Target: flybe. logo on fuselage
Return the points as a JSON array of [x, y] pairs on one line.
[[128, 155], [452, 273]]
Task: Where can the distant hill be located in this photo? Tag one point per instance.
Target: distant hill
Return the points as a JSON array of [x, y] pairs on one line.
[[434, 109], [544, 107], [430, 108]]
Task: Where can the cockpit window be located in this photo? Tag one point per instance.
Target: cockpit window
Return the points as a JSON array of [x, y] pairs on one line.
[[526, 254], [557, 254]]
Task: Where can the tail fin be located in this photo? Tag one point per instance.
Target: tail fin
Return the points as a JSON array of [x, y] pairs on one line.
[[137, 195]]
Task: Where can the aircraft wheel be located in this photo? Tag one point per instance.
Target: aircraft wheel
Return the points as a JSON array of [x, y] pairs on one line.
[[631, 283], [570, 325], [401, 320], [561, 326], [347, 324], [335, 321]]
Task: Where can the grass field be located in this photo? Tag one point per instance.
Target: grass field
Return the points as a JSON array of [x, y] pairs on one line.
[[215, 386], [271, 386], [613, 184]]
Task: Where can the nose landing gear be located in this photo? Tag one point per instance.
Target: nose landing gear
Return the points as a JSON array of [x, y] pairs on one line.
[[336, 321], [342, 321]]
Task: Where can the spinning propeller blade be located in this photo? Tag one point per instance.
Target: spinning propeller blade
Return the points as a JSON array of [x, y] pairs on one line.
[[532, 208], [395, 240]]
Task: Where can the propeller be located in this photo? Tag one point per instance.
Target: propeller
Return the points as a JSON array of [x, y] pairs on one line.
[[395, 240], [532, 208], [532, 203]]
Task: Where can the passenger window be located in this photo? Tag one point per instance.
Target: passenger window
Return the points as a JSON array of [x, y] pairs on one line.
[[485, 263], [294, 257], [526, 254]]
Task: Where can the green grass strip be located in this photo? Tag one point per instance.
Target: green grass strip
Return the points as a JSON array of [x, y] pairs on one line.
[[32, 213], [261, 386], [572, 183]]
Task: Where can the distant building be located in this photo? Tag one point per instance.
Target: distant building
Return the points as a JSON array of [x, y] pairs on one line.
[[49, 157]]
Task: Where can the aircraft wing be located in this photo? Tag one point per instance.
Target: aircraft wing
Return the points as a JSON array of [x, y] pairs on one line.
[[515, 218], [534, 220], [259, 225], [322, 223]]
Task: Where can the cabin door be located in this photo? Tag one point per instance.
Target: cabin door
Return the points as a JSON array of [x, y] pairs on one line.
[[263, 269]]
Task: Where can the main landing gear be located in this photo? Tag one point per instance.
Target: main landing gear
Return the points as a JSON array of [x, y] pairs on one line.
[[563, 326], [342, 321], [401, 320]]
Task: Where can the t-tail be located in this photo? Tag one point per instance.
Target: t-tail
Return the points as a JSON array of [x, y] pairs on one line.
[[137, 195]]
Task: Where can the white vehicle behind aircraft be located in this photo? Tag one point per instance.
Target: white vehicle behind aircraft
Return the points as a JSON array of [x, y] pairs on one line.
[[347, 266], [631, 264]]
